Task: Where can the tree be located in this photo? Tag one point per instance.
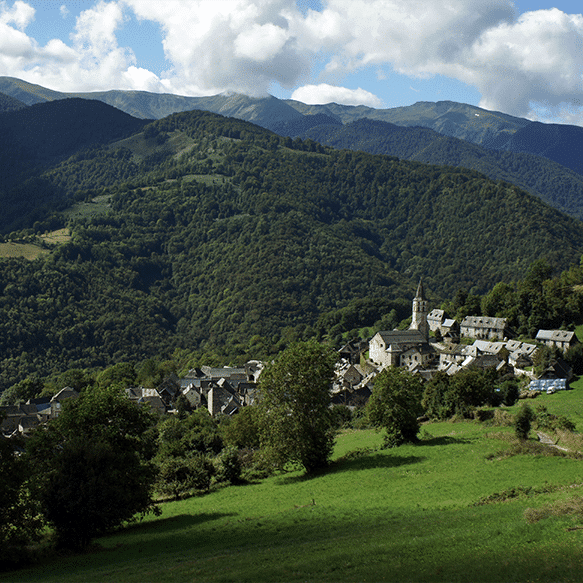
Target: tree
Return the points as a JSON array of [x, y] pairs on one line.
[[19, 521], [460, 394], [395, 405], [92, 465], [295, 422]]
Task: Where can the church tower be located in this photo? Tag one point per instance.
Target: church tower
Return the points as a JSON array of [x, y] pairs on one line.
[[420, 312]]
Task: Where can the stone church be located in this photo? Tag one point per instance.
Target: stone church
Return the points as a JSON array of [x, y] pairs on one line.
[[409, 348]]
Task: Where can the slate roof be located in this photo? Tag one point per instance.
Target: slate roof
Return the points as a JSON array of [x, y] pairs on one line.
[[402, 337], [556, 335], [484, 322]]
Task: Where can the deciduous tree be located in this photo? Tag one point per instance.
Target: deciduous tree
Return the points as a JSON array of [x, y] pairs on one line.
[[395, 405], [296, 423], [92, 465]]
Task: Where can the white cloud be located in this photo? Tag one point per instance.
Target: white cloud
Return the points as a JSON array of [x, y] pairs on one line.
[[21, 14], [324, 93], [513, 61], [529, 65], [64, 11], [239, 45]]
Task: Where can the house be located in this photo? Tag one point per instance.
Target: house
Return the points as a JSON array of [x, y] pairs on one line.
[[484, 327], [450, 330], [557, 369], [435, 320], [222, 399], [58, 399], [169, 389], [562, 339], [352, 350]]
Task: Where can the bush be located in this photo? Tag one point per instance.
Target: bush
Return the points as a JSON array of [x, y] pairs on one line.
[[229, 466], [341, 416], [185, 475], [522, 422]]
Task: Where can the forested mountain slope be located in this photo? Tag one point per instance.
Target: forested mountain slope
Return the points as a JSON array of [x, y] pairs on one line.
[[556, 185], [38, 137], [223, 237], [8, 103]]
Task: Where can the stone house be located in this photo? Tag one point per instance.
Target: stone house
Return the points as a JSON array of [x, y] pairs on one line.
[[562, 339], [485, 327], [435, 319]]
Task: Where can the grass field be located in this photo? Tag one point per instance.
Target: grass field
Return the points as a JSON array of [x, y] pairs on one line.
[[407, 514], [32, 250], [27, 250]]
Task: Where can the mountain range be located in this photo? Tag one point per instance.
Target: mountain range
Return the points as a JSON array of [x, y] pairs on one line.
[[540, 158]]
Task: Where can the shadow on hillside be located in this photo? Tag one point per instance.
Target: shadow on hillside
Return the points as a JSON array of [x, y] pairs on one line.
[[182, 521], [356, 461]]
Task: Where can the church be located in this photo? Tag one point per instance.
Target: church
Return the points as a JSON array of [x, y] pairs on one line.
[[408, 348]]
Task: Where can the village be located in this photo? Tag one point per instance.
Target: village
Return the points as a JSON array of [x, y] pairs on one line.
[[433, 342]]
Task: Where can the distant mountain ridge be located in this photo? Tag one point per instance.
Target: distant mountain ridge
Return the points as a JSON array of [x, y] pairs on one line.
[[490, 129], [8, 103], [540, 158]]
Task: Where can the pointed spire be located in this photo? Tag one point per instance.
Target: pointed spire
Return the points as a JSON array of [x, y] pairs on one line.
[[420, 295]]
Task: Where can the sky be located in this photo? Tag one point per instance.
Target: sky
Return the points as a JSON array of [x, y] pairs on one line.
[[521, 57]]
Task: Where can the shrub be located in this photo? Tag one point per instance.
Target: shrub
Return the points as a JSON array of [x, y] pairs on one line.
[[522, 422], [229, 466], [179, 476]]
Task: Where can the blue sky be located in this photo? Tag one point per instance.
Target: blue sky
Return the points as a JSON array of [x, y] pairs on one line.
[[522, 57]]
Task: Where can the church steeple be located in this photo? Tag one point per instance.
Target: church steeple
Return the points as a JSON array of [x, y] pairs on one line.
[[420, 311]]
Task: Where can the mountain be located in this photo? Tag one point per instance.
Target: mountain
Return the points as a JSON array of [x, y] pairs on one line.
[[8, 103], [225, 241], [264, 111], [449, 118], [489, 129], [556, 185], [37, 137]]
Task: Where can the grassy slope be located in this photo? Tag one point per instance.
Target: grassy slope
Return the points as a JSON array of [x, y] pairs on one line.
[[400, 515]]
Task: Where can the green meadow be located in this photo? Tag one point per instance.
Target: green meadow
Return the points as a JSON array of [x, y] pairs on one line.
[[451, 508]]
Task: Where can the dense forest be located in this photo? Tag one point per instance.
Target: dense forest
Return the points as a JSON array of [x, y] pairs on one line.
[[555, 184], [225, 242]]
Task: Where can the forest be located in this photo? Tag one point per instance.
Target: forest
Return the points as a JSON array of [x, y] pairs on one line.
[[223, 242]]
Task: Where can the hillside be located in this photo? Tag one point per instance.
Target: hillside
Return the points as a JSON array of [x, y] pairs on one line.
[[8, 103], [38, 137], [226, 240], [556, 185], [454, 507]]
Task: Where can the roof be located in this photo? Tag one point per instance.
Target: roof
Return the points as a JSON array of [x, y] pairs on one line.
[[484, 322], [556, 335], [65, 393], [436, 315], [420, 295], [489, 347], [402, 337]]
